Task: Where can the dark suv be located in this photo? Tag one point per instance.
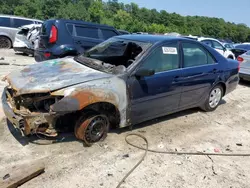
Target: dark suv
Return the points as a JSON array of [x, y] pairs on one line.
[[60, 38]]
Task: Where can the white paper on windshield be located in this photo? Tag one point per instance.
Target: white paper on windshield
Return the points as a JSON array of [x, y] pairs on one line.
[[169, 50]]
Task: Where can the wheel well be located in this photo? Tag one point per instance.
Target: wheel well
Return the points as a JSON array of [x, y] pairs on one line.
[[8, 38], [107, 109], [223, 85], [230, 57]]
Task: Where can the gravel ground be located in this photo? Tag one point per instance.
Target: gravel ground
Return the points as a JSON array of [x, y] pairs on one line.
[[69, 164]]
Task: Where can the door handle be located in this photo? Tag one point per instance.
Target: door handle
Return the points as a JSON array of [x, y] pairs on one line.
[[177, 79], [214, 71], [78, 42], [196, 75]]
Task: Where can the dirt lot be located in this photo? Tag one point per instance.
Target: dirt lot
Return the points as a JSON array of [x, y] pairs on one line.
[[69, 164]]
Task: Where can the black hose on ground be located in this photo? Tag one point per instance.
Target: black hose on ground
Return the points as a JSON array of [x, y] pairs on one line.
[[170, 153]]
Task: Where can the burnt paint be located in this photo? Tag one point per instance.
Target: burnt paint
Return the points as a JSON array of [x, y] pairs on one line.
[[52, 75]]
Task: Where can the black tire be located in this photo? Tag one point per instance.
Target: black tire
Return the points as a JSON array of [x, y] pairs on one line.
[[208, 107], [91, 127], [5, 42], [230, 57]]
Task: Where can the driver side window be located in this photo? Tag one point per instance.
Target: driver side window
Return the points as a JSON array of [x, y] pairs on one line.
[[163, 59]]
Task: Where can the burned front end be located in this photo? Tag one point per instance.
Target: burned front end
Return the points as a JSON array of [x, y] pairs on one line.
[[30, 112]]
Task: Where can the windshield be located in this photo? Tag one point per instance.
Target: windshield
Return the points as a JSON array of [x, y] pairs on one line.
[[113, 52]]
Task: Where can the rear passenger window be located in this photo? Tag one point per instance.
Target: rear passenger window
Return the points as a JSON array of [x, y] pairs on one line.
[[4, 22], [89, 32], [21, 22], [163, 59], [195, 55], [108, 33]]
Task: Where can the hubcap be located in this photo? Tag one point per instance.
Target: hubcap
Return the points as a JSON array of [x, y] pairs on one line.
[[215, 97]]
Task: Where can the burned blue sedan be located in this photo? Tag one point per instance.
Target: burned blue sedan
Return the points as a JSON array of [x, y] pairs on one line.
[[123, 81]]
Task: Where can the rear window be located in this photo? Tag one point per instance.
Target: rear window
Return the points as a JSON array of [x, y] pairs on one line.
[[21, 22], [89, 32], [4, 22], [108, 33], [46, 27]]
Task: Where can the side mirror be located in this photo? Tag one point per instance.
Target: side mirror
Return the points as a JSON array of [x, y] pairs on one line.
[[144, 72], [224, 49]]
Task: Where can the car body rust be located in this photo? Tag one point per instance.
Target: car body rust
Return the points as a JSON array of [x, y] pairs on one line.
[[43, 93]]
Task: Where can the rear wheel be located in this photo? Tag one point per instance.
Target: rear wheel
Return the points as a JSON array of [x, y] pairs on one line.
[[92, 127], [5, 42], [213, 99]]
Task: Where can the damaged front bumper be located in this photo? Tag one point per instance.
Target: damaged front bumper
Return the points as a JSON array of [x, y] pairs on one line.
[[28, 122]]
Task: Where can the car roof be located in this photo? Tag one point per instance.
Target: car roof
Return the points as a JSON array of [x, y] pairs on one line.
[[151, 38], [243, 46], [20, 17], [79, 22]]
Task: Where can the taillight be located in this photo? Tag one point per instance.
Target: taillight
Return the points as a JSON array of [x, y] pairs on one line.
[[240, 59], [47, 54], [53, 34]]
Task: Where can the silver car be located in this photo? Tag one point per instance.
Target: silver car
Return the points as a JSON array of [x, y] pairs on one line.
[[244, 60], [9, 27]]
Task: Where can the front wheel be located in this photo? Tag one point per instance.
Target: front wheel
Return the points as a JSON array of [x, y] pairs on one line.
[[213, 99], [92, 127]]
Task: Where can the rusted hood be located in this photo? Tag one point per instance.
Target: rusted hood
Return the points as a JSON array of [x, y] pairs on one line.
[[52, 75]]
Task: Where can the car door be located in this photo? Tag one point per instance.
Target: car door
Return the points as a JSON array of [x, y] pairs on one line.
[[158, 94], [86, 37], [200, 71]]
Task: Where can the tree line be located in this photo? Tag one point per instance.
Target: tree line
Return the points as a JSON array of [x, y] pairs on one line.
[[128, 17]]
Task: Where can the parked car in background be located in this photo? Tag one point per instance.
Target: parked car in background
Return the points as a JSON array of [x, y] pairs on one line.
[[244, 60], [9, 27], [123, 81], [240, 49], [60, 38], [228, 46], [218, 46], [123, 32], [174, 34], [25, 39]]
